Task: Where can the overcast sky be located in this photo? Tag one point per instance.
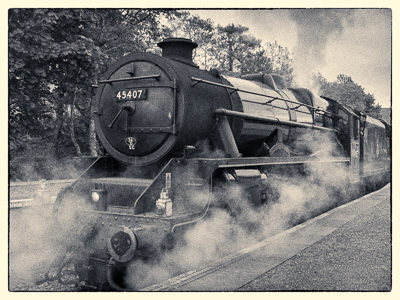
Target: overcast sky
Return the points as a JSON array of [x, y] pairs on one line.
[[355, 42]]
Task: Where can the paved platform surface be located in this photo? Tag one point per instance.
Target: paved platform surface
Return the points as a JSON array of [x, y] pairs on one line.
[[345, 249]]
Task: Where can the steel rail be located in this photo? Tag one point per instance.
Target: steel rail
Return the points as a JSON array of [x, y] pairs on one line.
[[28, 202], [35, 183]]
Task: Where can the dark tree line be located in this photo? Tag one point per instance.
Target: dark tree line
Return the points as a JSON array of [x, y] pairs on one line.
[[54, 57]]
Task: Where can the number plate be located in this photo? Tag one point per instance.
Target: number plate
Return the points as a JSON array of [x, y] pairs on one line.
[[131, 95]]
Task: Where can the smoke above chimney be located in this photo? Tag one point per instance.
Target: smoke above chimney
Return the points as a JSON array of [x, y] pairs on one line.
[[315, 27]]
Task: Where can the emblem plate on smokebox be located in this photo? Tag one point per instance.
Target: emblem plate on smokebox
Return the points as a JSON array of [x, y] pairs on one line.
[[131, 142]]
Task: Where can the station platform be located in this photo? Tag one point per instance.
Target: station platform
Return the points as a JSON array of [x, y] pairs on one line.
[[346, 249]]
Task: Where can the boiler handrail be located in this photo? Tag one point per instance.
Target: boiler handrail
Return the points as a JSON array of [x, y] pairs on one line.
[[241, 115], [272, 98]]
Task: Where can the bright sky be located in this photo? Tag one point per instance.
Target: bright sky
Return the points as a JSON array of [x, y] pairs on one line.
[[362, 49]]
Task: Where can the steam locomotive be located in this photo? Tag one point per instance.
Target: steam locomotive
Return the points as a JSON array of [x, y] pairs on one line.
[[172, 130]]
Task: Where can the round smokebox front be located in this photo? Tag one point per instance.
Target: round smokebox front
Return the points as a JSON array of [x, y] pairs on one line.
[[135, 110]]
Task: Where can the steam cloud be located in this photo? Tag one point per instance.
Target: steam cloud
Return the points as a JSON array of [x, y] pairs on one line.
[[36, 241], [315, 27], [292, 198]]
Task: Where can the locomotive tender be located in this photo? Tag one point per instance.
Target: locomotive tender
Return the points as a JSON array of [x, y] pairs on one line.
[[173, 131]]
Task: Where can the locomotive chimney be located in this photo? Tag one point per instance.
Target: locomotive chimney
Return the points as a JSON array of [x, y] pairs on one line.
[[179, 49]]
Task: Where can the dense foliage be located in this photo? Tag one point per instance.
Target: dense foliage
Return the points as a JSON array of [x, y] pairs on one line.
[[54, 57], [349, 93]]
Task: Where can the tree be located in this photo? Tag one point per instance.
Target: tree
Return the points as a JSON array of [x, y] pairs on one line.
[[348, 93], [183, 24], [54, 57], [229, 48], [233, 51], [233, 41], [281, 60]]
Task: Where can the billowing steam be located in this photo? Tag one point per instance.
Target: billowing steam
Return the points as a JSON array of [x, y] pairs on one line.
[[293, 197], [315, 27], [37, 240]]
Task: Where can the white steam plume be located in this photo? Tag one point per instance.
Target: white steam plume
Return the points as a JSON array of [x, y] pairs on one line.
[[36, 240], [299, 197], [315, 27]]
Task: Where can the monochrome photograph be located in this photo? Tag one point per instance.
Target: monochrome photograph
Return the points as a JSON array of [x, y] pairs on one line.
[[199, 149]]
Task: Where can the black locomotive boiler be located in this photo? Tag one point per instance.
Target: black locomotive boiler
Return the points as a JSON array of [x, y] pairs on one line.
[[172, 130]]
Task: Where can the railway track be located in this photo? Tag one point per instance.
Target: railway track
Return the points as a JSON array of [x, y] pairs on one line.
[[27, 202], [34, 193]]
